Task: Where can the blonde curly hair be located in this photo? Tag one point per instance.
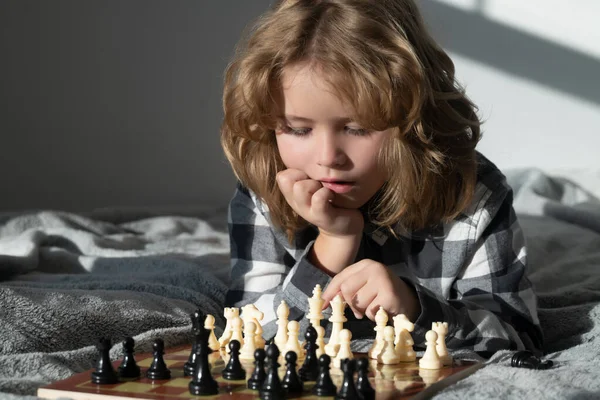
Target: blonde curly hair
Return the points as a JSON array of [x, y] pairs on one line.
[[380, 58]]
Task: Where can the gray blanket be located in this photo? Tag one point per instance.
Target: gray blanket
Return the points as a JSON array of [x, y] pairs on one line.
[[68, 279]]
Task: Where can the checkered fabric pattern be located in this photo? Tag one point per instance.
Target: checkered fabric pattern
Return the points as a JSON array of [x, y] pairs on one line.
[[470, 273]]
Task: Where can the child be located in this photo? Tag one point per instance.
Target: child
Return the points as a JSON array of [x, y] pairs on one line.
[[355, 151]]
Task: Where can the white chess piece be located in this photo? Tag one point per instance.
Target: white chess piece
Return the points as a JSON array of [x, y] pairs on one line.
[[337, 320], [381, 320], [251, 313], [344, 350], [209, 323], [315, 307], [281, 337], [388, 354], [230, 313], [236, 332], [293, 344], [247, 350], [441, 328], [430, 359], [404, 341], [320, 340]]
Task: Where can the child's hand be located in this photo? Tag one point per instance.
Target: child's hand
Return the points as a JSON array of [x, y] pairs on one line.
[[367, 285], [313, 202]]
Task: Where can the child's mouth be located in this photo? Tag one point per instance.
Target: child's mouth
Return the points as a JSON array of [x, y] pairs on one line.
[[339, 186]]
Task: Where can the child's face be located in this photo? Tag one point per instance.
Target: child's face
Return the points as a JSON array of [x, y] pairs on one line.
[[319, 137]]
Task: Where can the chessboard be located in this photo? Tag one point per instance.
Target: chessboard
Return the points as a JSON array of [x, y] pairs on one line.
[[399, 381]]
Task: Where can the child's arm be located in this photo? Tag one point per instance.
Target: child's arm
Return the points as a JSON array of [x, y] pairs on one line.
[[265, 268]]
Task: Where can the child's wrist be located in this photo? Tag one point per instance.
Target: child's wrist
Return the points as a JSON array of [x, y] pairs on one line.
[[333, 253]]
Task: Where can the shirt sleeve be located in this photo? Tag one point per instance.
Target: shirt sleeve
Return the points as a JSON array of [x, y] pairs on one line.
[[265, 268], [491, 304]]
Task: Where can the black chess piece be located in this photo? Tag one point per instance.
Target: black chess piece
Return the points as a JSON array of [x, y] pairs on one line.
[[129, 368], [104, 373], [348, 388], [363, 386], [158, 369], [202, 383], [271, 388], [258, 375], [324, 385], [188, 368], [310, 368], [291, 381], [526, 359], [234, 371]]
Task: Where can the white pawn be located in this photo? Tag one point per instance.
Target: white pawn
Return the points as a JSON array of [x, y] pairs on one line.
[[381, 319], [230, 313], [320, 340], [388, 354], [344, 351], [293, 344], [251, 313], [236, 332], [315, 307], [209, 323], [249, 347], [441, 328], [283, 312], [404, 341], [430, 359]]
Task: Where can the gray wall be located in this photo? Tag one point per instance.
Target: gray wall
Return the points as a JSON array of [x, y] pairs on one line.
[[115, 102]]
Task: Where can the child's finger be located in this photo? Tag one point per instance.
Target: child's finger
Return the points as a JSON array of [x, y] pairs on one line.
[[286, 180], [362, 299], [333, 287], [303, 193], [321, 202]]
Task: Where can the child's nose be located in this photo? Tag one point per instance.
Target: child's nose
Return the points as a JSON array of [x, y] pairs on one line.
[[330, 153]]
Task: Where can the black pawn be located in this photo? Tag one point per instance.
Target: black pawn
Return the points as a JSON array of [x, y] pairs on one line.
[[234, 371], [258, 375], [348, 389], [104, 373], [128, 368], [324, 386], [158, 369], [363, 386], [189, 366], [291, 380], [271, 388], [202, 383], [310, 368]]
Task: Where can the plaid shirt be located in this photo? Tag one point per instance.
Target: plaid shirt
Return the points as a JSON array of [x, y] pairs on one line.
[[469, 272]]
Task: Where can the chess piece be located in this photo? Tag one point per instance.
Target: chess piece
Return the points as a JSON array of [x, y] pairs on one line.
[[247, 352], [252, 314], [526, 359], [190, 365], [310, 369], [441, 328], [348, 388], [258, 374], [129, 368], [337, 320], [233, 370], [388, 355], [293, 344], [104, 373], [315, 307], [320, 340], [430, 359], [381, 320], [324, 385], [202, 383], [404, 341], [363, 386], [271, 388], [209, 323], [236, 332], [344, 352], [230, 313], [281, 337], [291, 381], [158, 369]]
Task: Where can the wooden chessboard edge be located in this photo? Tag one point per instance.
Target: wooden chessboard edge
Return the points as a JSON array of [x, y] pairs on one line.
[[436, 387], [52, 394]]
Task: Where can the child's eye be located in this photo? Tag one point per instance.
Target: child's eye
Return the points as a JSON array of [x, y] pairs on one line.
[[295, 131], [357, 131]]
